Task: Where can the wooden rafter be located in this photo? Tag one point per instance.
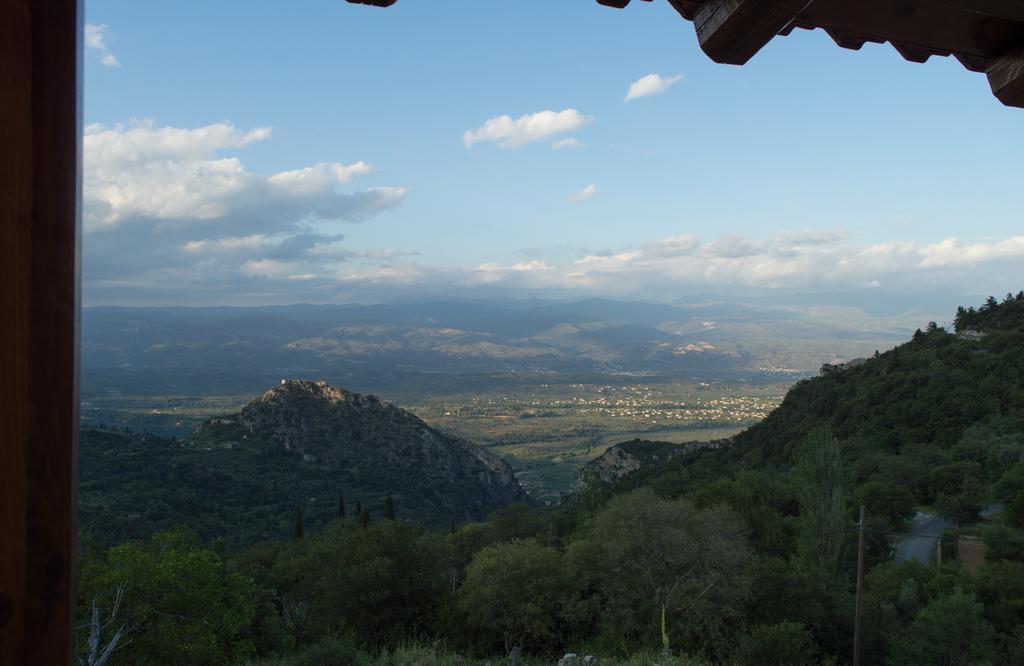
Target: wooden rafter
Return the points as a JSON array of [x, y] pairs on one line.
[[733, 31], [1006, 76]]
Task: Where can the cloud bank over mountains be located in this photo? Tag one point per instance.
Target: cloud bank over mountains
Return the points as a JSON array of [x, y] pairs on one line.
[[166, 211], [172, 215]]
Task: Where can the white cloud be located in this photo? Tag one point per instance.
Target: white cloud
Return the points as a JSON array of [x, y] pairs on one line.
[[806, 237], [674, 264], [166, 206], [243, 243], [571, 142], [513, 133], [173, 213], [733, 247], [586, 193], [675, 246], [273, 268], [652, 84], [317, 177], [951, 252], [312, 266], [96, 36], [174, 174]]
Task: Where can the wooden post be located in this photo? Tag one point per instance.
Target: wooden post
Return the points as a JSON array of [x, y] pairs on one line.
[[860, 586], [40, 132]]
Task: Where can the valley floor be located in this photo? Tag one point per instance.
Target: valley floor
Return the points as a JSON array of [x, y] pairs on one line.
[[547, 431]]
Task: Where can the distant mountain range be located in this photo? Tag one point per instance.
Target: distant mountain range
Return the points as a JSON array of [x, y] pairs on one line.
[[239, 350], [300, 444]]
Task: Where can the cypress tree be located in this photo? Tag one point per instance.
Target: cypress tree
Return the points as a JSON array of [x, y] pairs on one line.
[[359, 510], [364, 518], [389, 508], [297, 533], [341, 507]]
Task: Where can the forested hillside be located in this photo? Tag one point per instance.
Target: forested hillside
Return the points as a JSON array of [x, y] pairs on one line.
[[941, 416], [744, 553], [302, 446]]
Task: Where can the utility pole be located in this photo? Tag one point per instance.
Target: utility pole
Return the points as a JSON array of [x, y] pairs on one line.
[[860, 585]]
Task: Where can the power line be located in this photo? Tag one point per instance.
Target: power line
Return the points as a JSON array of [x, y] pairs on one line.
[[908, 535]]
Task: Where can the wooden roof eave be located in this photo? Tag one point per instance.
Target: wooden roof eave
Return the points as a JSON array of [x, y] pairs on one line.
[[984, 35]]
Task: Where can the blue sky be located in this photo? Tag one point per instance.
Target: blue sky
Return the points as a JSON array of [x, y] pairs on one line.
[[812, 167]]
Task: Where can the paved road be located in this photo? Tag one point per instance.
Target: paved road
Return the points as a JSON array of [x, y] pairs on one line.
[[923, 537], [924, 533]]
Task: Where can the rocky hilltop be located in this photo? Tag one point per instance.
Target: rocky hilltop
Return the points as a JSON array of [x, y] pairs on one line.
[[625, 460], [377, 448], [299, 445]]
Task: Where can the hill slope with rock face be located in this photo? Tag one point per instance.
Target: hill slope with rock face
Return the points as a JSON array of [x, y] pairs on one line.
[[381, 444], [300, 444], [622, 461]]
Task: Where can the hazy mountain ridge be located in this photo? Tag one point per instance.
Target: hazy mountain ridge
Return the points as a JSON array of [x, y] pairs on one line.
[[167, 350]]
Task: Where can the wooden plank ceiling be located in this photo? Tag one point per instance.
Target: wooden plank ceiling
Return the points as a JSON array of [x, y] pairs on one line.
[[984, 35]]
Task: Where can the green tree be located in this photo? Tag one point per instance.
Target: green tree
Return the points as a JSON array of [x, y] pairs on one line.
[[364, 518], [1014, 513], [181, 605], [891, 502], [782, 590], [514, 595], [784, 644], [644, 556], [341, 507], [894, 592], [949, 630], [330, 652], [822, 503], [385, 584], [297, 529], [1001, 589], [389, 508], [961, 508]]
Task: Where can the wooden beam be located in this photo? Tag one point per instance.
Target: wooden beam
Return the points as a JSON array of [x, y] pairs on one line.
[[374, 3], [1012, 10], [1006, 76], [40, 131], [847, 40], [973, 63], [733, 31], [686, 8], [915, 53], [617, 4], [918, 27]]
